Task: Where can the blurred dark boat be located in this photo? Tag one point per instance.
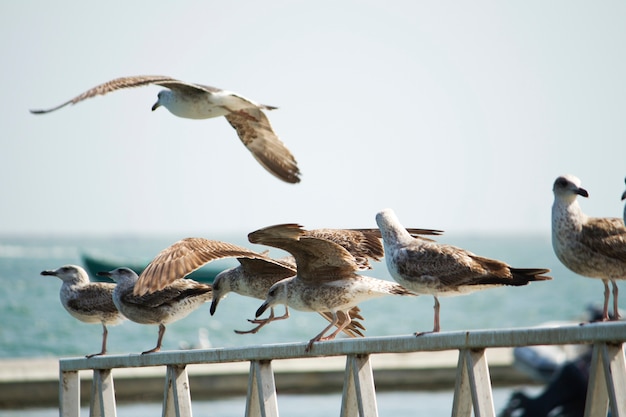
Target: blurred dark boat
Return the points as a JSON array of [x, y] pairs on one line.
[[95, 263]]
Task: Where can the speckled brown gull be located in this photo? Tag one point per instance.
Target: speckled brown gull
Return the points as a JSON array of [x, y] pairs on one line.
[[254, 277], [428, 267], [168, 305], [326, 279], [593, 247], [196, 101], [89, 302]]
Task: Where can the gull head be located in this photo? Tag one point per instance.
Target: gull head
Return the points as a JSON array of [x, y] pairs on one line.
[[567, 187], [120, 275], [163, 99], [390, 227], [277, 294], [69, 273], [221, 287], [386, 218]]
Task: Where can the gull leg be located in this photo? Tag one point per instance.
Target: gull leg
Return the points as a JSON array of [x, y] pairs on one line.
[[436, 326], [319, 336], [263, 322], [340, 325], [105, 333], [355, 329], [615, 292], [607, 295], [159, 340]]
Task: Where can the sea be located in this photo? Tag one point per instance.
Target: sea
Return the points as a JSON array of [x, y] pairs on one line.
[[34, 324]]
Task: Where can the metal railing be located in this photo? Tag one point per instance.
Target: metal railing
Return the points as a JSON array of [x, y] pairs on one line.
[[472, 391]]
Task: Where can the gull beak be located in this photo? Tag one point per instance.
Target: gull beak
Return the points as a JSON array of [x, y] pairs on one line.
[[262, 309], [156, 106], [104, 274], [51, 273], [214, 305], [582, 192], [624, 196]]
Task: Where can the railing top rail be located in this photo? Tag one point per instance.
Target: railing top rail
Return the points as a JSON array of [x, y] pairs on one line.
[[474, 339]]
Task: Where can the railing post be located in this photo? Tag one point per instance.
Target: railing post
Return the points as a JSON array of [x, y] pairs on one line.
[[261, 400], [607, 381], [177, 397], [69, 394], [473, 385], [102, 394], [359, 392]]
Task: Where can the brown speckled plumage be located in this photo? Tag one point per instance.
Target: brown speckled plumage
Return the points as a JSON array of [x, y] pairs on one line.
[[172, 303], [89, 302], [326, 279], [593, 247], [428, 267]]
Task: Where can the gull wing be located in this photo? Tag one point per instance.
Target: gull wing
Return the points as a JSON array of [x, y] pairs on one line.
[[254, 129]]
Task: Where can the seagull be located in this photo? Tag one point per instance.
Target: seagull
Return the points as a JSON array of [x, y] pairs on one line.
[[254, 277], [428, 267], [593, 247], [168, 305], [326, 279], [89, 302], [196, 101]]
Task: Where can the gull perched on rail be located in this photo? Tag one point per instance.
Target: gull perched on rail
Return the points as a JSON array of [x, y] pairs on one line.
[[89, 302], [326, 279], [594, 247], [168, 305], [196, 101], [254, 277], [428, 267]]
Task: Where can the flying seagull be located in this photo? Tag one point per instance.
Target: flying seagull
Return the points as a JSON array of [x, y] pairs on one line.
[[196, 101]]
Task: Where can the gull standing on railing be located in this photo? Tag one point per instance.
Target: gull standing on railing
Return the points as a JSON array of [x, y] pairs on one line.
[[594, 247], [89, 302], [326, 279], [168, 305], [428, 267]]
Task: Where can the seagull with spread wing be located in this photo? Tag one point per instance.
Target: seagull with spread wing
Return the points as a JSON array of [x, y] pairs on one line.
[[196, 101], [326, 280]]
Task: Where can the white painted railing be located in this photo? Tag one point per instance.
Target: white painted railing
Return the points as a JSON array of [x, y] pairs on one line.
[[607, 381]]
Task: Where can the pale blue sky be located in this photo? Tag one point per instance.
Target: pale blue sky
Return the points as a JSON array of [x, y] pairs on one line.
[[459, 115]]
